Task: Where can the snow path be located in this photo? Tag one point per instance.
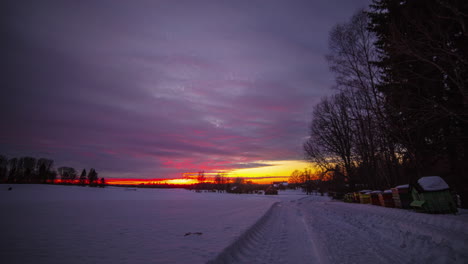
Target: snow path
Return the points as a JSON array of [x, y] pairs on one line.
[[281, 236], [317, 230]]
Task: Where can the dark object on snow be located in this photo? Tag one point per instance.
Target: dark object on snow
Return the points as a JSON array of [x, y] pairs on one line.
[[195, 233], [432, 195], [336, 195], [10, 188], [271, 191]]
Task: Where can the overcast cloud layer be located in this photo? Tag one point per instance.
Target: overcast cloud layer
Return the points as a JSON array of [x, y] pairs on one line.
[[156, 88]]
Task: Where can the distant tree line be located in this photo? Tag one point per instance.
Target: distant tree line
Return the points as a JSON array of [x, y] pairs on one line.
[[32, 170], [400, 110], [310, 182], [222, 183]]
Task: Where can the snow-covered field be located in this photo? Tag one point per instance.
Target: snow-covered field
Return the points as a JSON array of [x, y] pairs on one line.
[[71, 224]]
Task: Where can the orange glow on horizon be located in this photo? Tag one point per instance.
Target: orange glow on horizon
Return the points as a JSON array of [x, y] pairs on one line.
[[279, 170], [273, 171], [181, 181], [132, 181], [185, 181]]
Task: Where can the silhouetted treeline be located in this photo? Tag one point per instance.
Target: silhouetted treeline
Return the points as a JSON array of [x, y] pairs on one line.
[[32, 170], [156, 186], [308, 181], [401, 107], [222, 183], [232, 187]]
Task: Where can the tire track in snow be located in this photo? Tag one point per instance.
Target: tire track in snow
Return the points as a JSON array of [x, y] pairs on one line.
[[346, 240], [280, 236], [311, 231]]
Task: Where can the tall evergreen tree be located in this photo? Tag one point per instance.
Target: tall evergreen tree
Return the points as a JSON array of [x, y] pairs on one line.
[[83, 177], [423, 47], [102, 183], [92, 178]]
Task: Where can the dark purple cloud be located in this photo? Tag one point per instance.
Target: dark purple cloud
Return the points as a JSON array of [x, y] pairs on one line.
[[157, 88]]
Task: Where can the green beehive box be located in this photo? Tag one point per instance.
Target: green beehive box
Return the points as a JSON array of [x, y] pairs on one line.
[[432, 195], [364, 196]]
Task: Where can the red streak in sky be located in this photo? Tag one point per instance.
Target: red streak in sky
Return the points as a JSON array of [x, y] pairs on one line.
[[117, 181]]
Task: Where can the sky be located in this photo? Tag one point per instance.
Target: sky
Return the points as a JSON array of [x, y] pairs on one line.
[[156, 89]]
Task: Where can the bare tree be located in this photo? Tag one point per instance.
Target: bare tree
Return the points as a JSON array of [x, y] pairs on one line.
[[352, 55], [201, 177], [3, 168], [331, 136], [28, 165], [13, 171], [44, 168], [347, 128], [220, 181], [67, 174], [295, 178], [238, 181]]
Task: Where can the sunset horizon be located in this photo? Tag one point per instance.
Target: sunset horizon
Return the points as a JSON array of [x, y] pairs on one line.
[[158, 90], [234, 131]]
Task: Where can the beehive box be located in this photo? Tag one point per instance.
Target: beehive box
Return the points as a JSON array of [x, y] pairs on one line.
[[432, 195], [375, 197], [364, 196], [386, 198], [402, 196]]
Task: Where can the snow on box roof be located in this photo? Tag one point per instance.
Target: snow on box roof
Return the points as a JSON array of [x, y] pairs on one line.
[[404, 186], [387, 191], [376, 192], [433, 183], [365, 191]]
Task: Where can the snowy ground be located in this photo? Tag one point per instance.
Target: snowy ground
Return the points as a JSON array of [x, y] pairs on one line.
[[70, 224], [315, 229]]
